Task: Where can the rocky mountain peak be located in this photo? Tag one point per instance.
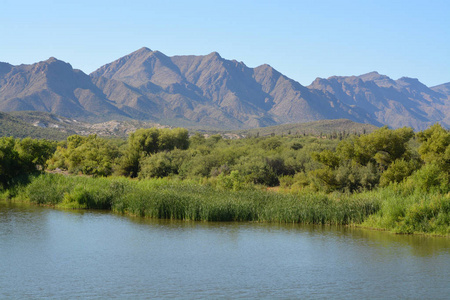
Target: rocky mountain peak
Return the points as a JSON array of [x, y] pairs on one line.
[[143, 50], [371, 76], [377, 78], [408, 80], [411, 82], [51, 59], [214, 55]]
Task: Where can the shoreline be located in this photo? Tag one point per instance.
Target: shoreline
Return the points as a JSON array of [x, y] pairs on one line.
[[179, 200]]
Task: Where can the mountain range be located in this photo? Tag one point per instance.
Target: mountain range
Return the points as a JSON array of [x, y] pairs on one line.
[[210, 91]]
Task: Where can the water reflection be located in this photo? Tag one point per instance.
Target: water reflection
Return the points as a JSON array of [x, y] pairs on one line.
[[418, 245], [94, 254]]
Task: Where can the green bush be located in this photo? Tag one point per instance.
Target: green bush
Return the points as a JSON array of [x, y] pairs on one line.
[[398, 171], [429, 177], [157, 165], [257, 170], [405, 210], [20, 158], [89, 155]]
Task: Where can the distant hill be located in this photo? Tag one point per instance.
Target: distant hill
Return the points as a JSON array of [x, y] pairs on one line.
[[15, 127], [50, 126], [211, 92], [324, 127]]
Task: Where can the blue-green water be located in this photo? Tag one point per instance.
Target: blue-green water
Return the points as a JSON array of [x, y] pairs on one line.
[[47, 253]]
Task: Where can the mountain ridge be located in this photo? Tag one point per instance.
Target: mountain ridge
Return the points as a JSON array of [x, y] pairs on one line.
[[209, 90]]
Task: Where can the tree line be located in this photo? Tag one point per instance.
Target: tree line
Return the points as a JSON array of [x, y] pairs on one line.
[[355, 163]]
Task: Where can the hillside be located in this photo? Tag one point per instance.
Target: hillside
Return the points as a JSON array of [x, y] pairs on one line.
[[324, 127], [50, 126], [397, 103], [15, 127], [54, 86], [182, 90]]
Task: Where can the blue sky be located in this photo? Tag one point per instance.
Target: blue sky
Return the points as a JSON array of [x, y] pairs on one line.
[[301, 39]]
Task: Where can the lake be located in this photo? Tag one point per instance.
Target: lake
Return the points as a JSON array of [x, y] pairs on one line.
[[59, 254]]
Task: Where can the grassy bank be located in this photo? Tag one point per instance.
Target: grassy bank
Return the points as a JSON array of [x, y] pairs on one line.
[[397, 208], [404, 209]]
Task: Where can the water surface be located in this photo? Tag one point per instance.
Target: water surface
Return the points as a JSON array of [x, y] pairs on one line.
[[48, 253]]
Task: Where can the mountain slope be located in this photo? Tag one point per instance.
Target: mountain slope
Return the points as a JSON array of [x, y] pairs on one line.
[[53, 86], [18, 128], [443, 89]]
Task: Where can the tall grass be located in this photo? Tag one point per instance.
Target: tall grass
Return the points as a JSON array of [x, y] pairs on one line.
[[73, 191], [407, 210], [166, 199]]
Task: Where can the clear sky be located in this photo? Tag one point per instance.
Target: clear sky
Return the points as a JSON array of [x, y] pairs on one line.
[[301, 39]]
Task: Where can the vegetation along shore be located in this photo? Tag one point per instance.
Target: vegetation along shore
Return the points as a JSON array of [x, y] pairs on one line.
[[394, 180]]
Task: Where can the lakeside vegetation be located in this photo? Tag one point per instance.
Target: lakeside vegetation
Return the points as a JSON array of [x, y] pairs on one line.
[[186, 200], [393, 180]]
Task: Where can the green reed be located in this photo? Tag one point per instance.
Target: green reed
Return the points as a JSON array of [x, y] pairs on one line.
[[406, 210], [168, 199]]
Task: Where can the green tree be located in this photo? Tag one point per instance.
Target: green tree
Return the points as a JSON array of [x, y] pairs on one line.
[[382, 146], [89, 155], [10, 164], [359, 161], [256, 170], [326, 157], [22, 157], [434, 145], [145, 142], [35, 153], [398, 171]]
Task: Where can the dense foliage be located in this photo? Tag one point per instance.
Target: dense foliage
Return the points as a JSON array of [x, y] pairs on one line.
[[86, 155], [145, 142], [360, 161], [20, 157]]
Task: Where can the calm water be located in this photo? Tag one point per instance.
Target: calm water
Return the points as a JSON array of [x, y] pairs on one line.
[[47, 253]]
